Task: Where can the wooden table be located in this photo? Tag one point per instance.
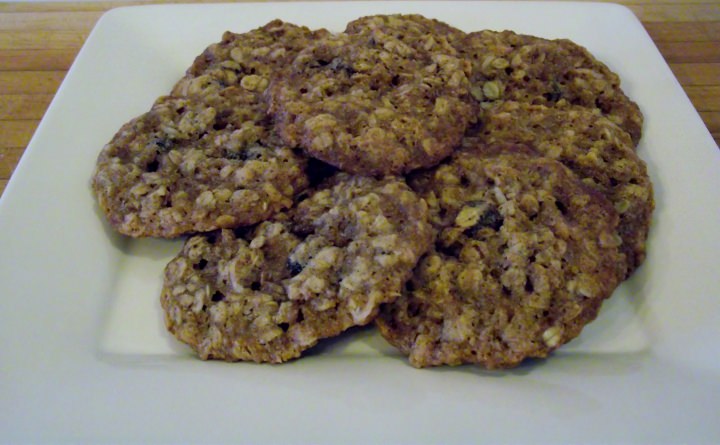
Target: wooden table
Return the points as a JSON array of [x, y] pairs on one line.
[[39, 41]]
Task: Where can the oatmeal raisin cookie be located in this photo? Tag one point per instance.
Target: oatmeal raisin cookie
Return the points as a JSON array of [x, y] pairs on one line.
[[194, 166], [510, 66], [525, 257], [593, 147], [269, 292], [372, 103]]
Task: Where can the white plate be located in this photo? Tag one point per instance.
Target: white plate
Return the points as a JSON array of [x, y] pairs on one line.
[[84, 356]]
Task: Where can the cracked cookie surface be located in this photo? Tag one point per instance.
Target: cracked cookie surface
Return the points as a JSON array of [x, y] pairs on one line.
[[525, 256], [372, 103], [269, 292], [195, 166]]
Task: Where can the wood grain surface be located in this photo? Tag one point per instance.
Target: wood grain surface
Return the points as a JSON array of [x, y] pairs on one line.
[[39, 41]]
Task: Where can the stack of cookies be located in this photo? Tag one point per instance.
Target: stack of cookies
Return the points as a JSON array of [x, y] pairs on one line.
[[476, 195]]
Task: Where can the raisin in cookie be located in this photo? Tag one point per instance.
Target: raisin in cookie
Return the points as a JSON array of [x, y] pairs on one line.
[[525, 256], [268, 293], [510, 66], [599, 152], [194, 166], [245, 60], [373, 105]]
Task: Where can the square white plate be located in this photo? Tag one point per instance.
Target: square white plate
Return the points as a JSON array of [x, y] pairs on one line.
[[83, 352]]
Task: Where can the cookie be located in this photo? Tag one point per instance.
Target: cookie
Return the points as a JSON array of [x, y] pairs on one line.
[[599, 152], [270, 292], [510, 66], [525, 256], [415, 30], [194, 166], [245, 60], [372, 105]]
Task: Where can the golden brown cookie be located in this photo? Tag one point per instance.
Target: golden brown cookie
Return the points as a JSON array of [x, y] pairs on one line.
[[599, 152], [525, 256], [510, 66], [246, 60], [413, 29], [195, 166], [373, 104], [270, 292]]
